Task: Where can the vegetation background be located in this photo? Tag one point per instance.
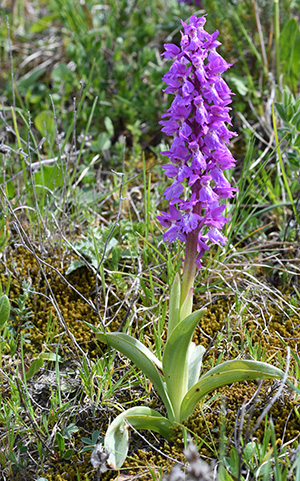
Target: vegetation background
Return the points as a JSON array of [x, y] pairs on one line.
[[80, 187]]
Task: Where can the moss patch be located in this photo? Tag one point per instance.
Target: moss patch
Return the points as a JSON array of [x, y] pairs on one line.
[[48, 282], [223, 331]]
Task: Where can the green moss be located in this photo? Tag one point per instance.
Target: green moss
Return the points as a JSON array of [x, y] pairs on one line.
[[220, 331], [72, 307]]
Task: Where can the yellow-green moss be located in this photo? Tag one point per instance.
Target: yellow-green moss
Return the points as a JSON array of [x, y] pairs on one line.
[[218, 331], [73, 308]]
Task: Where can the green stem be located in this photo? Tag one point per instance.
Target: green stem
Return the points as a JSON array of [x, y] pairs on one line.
[[189, 267]]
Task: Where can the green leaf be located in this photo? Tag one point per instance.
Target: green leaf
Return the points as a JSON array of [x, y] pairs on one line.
[[140, 417], [68, 430], [232, 462], [68, 454], [60, 73], [116, 339], [9, 187], [187, 306], [44, 122], [74, 266], [87, 441], [195, 355], [87, 448], [174, 304], [102, 143], [109, 126], [30, 79], [42, 24], [289, 53], [296, 143], [226, 373], [175, 359], [281, 110], [249, 451], [4, 310], [95, 436], [35, 366], [113, 242], [293, 159], [295, 119], [144, 359], [49, 176], [116, 441], [240, 84], [60, 442], [51, 356]]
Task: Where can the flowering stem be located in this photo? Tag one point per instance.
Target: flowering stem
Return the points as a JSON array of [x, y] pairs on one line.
[[199, 154], [189, 266]]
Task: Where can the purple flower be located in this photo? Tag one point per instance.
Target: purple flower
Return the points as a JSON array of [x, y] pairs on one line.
[[171, 50], [167, 218], [197, 119], [189, 222], [174, 191], [216, 237], [174, 233]]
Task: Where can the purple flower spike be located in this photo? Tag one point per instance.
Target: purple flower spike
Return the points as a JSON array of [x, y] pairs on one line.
[[197, 120]]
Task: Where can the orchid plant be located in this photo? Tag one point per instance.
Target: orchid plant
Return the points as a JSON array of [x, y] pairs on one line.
[[199, 155]]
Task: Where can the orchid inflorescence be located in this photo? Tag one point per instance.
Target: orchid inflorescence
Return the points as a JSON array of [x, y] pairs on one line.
[[199, 155]]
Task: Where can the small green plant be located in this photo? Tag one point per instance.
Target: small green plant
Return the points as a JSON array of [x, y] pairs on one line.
[[99, 240], [291, 126], [20, 317], [90, 443], [61, 437], [18, 458]]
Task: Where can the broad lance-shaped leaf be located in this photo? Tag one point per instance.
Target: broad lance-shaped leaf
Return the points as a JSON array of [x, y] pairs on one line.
[[226, 373], [128, 338], [144, 359], [195, 356], [35, 366], [121, 337], [140, 417], [175, 359]]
